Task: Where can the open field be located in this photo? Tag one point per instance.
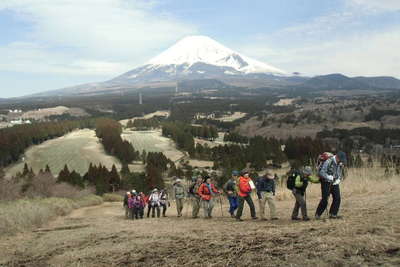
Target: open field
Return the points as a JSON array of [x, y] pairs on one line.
[[161, 113], [77, 149], [235, 116], [153, 141], [100, 236]]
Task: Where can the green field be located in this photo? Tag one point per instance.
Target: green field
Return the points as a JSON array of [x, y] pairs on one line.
[[77, 149], [152, 141]]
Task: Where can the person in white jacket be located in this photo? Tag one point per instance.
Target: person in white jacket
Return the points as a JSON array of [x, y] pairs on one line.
[[154, 203], [331, 174]]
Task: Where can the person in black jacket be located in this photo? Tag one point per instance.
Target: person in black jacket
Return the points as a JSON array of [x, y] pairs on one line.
[[125, 205], [266, 191]]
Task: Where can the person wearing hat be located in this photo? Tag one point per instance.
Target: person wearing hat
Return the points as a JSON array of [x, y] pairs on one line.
[[299, 192], [179, 192], [244, 193], [207, 191], [266, 192], [154, 203], [331, 174], [196, 199], [230, 189]]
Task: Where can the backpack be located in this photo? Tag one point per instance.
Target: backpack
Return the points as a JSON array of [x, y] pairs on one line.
[[291, 180]]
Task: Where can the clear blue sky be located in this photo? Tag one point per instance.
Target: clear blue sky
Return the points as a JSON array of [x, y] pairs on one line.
[[51, 44]]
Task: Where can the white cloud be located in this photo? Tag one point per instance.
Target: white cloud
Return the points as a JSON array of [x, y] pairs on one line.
[[377, 5], [100, 37], [369, 54]]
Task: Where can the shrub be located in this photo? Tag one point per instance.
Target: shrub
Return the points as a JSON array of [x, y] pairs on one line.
[[112, 197]]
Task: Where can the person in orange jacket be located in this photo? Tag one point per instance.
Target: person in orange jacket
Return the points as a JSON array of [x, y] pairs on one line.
[[244, 193], [207, 192]]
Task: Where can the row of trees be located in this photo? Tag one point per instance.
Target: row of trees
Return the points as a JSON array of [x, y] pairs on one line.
[[14, 140], [151, 123], [235, 138], [109, 132]]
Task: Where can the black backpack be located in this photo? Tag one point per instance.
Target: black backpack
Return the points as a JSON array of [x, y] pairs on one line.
[[291, 180]]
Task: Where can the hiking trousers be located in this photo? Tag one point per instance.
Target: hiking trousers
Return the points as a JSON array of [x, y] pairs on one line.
[[326, 190], [127, 212], [267, 197], [233, 204], [164, 209], [300, 204], [153, 210], [208, 206], [249, 201], [179, 206], [195, 207]]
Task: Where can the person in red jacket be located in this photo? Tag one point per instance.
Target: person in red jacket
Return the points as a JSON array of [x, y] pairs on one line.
[[244, 193], [207, 192]]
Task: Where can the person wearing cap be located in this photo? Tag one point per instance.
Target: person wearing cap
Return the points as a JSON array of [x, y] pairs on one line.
[[299, 192], [207, 191], [196, 199], [230, 189], [179, 192], [244, 193], [266, 192], [331, 174], [154, 203]]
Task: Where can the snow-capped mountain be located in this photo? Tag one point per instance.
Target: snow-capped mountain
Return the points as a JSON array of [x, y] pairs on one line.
[[196, 57]]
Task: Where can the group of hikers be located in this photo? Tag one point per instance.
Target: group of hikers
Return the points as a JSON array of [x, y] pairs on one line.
[[238, 190]]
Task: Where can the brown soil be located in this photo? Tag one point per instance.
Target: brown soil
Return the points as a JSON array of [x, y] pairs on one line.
[[368, 235]]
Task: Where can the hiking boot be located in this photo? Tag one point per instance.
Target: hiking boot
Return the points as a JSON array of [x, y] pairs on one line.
[[317, 217], [254, 218], [264, 219], [306, 219], [275, 218], [195, 217], [295, 219], [335, 217], [233, 215], [239, 220]]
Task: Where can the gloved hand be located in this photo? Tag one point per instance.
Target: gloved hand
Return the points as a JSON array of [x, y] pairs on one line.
[[330, 178]]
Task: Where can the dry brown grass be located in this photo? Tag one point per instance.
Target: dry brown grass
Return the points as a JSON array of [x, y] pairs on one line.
[[113, 197], [25, 214], [367, 236]]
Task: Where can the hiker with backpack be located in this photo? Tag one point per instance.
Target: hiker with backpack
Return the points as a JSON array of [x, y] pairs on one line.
[[245, 187], [154, 203], [143, 202], [125, 204], [137, 203], [230, 189], [266, 192], [179, 192], [331, 173], [164, 201], [297, 182], [195, 197], [207, 191]]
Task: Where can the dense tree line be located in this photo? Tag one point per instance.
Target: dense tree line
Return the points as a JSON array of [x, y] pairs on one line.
[[109, 132], [377, 136], [376, 114], [14, 140], [180, 133], [304, 150], [151, 123], [235, 138]]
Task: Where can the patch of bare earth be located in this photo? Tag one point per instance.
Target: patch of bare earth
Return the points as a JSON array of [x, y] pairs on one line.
[[368, 235]]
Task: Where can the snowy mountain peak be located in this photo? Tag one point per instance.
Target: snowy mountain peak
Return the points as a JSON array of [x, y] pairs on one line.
[[202, 49]]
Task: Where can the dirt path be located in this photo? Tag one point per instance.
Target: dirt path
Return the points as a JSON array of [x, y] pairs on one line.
[[101, 236]]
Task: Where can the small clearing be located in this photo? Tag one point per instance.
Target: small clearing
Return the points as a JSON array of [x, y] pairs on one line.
[[153, 141], [77, 149], [40, 114], [285, 102], [235, 116]]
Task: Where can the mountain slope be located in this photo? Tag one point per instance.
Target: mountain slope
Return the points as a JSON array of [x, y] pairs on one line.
[[334, 82], [384, 82], [196, 57]]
